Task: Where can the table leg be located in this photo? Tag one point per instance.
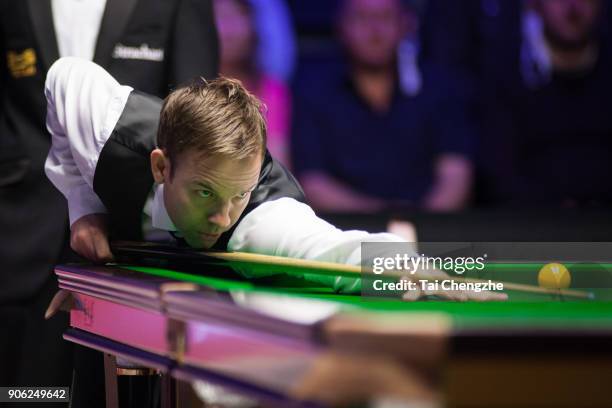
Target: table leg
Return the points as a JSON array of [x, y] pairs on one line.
[[168, 391], [110, 381]]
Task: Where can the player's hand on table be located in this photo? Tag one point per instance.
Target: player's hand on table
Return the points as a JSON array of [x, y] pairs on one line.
[[89, 238], [456, 295]]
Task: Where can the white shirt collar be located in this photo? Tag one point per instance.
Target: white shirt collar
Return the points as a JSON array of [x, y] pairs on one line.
[[157, 211]]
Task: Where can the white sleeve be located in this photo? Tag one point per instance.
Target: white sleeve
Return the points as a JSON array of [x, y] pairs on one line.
[[84, 103], [286, 227]]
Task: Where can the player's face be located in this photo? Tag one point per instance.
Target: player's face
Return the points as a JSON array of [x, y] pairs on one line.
[[569, 23], [206, 195], [371, 30]]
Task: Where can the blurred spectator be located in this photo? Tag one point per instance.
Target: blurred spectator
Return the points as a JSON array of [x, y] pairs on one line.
[[276, 35], [465, 35], [239, 43], [409, 51], [547, 137], [360, 143]]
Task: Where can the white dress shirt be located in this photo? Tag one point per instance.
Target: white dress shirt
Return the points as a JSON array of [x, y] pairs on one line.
[[84, 104], [77, 23]]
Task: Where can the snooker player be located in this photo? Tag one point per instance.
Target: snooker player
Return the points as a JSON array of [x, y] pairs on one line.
[[207, 179]]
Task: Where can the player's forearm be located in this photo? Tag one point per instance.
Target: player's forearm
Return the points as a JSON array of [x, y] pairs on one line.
[[64, 174], [327, 194]]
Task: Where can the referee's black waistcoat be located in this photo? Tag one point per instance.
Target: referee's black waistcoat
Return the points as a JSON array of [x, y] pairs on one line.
[[123, 178]]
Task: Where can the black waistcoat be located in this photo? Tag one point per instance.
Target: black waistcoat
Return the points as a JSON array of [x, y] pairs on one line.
[[123, 178]]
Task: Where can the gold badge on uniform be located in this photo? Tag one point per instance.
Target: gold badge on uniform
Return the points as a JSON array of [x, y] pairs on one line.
[[22, 64]]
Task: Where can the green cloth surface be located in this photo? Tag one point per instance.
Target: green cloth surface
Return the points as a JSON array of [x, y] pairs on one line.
[[522, 309]]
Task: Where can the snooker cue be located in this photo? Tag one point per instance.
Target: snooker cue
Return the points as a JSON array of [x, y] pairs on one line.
[[306, 266], [335, 269]]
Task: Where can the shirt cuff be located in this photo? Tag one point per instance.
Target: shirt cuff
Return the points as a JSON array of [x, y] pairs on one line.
[[83, 201]]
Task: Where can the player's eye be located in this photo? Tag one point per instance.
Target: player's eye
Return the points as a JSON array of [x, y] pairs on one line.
[[243, 195], [205, 193]]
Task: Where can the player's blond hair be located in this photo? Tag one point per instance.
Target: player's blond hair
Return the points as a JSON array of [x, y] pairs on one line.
[[218, 117]]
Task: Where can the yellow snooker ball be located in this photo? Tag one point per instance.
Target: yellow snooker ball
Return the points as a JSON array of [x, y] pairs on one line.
[[554, 276]]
